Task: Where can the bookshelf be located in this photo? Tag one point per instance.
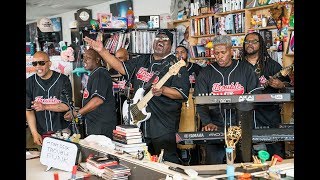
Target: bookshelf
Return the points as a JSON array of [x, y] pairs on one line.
[[247, 26], [248, 13]]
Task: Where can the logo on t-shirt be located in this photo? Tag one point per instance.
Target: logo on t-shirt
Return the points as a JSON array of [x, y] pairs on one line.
[[145, 76], [85, 94], [229, 89], [50, 100]]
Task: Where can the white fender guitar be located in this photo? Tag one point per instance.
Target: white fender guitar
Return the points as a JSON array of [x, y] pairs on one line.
[[137, 109]]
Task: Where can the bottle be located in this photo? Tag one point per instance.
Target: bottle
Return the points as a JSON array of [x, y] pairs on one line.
[[130, 18]]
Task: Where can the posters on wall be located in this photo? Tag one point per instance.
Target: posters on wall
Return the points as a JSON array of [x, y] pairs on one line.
[[120, 8]]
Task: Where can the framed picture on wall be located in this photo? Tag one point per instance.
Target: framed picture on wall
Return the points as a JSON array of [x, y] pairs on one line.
[[290, 49], [120, 9]]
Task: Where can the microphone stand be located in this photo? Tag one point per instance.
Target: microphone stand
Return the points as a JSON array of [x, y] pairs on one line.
[[71, 108], [129, 100]]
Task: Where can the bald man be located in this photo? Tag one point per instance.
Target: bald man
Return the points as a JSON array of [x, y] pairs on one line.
[[98, 103], [47, 95], [122, 55]]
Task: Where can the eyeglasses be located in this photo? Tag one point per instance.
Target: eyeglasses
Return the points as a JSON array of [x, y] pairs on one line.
[[162, 38], [251, 41], [41, 63]]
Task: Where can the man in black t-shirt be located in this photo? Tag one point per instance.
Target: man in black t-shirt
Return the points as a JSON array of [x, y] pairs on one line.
[[47, 96], [225, 76], [266, 115], [165, 105], [192, 68], [98, 103]]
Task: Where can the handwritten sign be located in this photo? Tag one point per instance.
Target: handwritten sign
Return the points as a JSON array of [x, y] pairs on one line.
[[58, 153]]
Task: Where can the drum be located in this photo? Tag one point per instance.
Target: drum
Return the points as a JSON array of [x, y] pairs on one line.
[[188, 121]]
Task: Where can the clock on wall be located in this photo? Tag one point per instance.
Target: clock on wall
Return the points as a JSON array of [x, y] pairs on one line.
[[83, 17]]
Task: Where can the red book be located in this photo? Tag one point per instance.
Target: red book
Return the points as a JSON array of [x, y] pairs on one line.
[[101, 162]]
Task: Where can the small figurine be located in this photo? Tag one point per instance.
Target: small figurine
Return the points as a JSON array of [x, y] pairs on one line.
[[66, 133], [75, 138]]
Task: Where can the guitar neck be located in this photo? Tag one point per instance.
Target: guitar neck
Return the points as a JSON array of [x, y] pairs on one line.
[[143, 102]]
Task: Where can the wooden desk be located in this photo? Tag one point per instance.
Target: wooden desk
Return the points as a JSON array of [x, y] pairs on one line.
[[36, 171], [151, 170]]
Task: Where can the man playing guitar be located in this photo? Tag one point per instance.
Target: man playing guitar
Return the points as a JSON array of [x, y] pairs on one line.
[[165, 106], [265, 115]]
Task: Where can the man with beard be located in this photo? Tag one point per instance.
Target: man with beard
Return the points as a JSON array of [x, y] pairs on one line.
[[193, 68], [47, 95], [98, 104], [265, 115], [225, 76], [165, 106]]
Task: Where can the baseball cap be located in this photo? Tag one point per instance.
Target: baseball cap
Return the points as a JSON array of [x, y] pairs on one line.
[[45, 25], [166, 32]]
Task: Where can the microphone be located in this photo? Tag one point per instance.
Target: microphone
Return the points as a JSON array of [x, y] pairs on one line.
[[65, 93]]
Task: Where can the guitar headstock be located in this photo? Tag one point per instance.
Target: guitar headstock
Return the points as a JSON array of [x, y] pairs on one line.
[[286, 70], [174, 69]]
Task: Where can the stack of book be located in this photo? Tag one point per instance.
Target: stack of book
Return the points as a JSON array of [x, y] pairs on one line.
[[101, 162], [97, 164], [128, 138], [119, 171]]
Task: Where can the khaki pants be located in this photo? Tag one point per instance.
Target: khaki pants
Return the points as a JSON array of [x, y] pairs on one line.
[[29, 140]]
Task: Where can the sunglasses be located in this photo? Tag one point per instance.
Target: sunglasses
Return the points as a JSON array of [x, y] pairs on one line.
[[251, 41], [41, 63], [162, 38]]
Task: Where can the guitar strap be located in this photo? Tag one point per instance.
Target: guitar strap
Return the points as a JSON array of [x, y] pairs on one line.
[[158, 70]]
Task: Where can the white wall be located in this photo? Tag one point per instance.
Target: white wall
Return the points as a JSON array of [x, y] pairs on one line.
[[140, 7]]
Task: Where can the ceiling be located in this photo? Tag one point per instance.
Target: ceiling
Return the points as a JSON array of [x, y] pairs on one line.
[[36, 9]]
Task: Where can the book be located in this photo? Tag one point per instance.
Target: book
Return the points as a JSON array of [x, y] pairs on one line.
[[126, 134], [128, 141], [101, 161], [127, 128], [129, 145], [119, 136]]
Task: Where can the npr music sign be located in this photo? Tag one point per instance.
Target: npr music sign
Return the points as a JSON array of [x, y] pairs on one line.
[[58, 153]]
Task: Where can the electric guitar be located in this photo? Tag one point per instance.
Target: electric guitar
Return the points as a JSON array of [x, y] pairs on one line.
[[137, 109], [283, 72]]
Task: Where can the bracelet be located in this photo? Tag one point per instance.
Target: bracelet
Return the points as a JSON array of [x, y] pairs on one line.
[[79, 115]]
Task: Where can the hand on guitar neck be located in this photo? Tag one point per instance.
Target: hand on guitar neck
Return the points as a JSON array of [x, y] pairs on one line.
[[136, 113], [275, 82]]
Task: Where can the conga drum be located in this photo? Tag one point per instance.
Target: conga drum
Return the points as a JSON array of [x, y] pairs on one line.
[[188, 121]]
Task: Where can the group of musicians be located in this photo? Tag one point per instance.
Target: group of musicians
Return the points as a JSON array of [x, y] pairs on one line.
[[225, 76]]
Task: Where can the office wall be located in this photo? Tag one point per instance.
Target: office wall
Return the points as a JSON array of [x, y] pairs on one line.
[[140, 7]]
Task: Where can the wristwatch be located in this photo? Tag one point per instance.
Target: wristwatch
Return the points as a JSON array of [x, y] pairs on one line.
[[79, 115]]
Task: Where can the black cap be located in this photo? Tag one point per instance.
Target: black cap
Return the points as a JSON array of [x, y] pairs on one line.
[[166, 32]]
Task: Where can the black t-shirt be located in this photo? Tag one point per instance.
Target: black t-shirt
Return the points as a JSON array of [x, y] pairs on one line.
[[104, 116], [165, 112], [238, 78], [268, 114], [48, 92]]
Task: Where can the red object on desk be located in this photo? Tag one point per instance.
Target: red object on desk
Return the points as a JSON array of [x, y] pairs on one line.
[[279, 159], [56, 176], [47, 134], [87, 176], [74, 172]]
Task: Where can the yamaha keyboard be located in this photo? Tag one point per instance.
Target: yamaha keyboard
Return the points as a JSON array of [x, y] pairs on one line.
[[217, 99], [258, 135]]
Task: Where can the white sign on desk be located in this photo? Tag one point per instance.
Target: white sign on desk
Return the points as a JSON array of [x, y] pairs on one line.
[[58, 153]]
